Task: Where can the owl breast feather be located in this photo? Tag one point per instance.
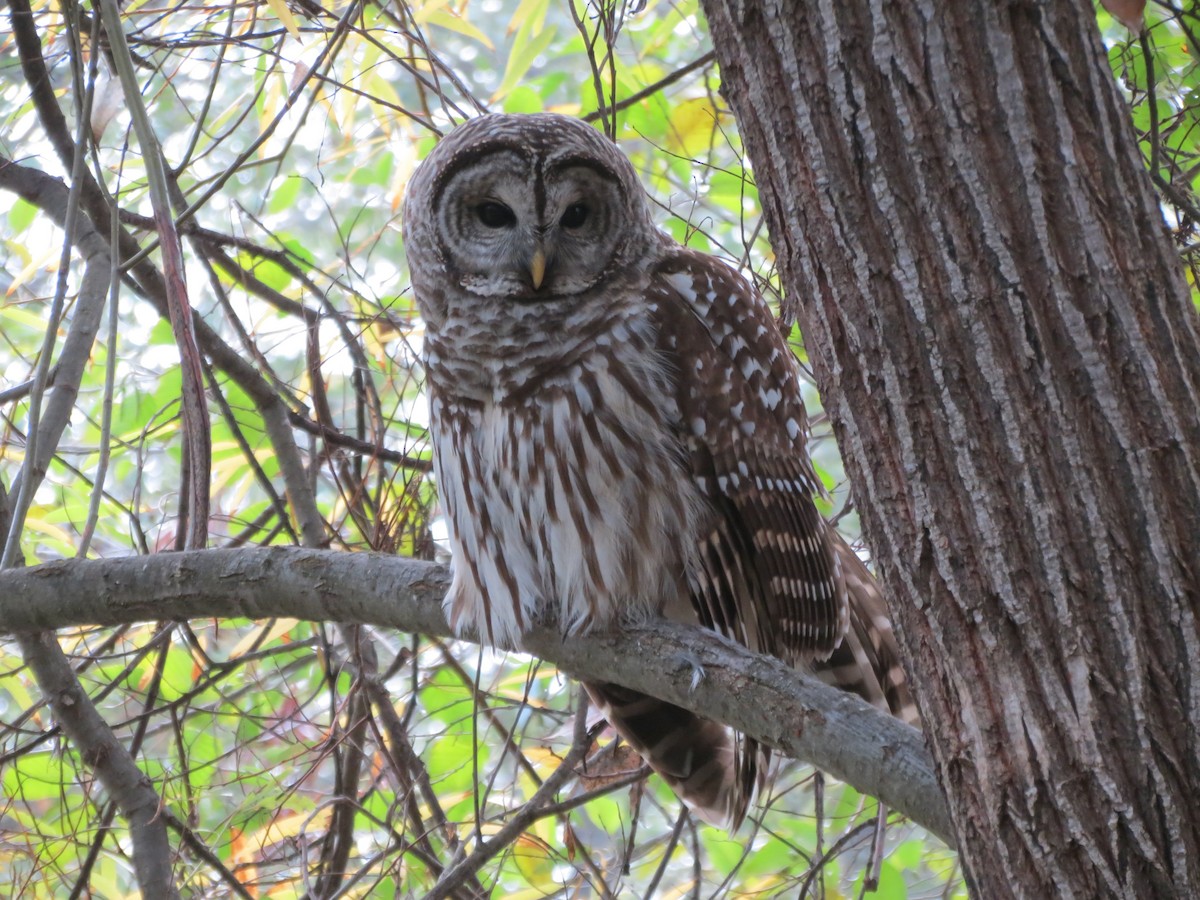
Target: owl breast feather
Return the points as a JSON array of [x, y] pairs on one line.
[[567, 497]]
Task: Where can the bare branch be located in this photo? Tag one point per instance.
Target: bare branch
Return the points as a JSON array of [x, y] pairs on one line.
[[528, 814], [196, 428], [129, 788], [785, 709]]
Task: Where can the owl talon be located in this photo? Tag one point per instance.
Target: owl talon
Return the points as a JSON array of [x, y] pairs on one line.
[[697, 667]]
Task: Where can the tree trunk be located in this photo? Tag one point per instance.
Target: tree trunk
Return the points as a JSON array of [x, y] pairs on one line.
[[1005, 343]]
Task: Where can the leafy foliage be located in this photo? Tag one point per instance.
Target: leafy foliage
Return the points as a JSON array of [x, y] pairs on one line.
[[289, 132], [1159, 69]]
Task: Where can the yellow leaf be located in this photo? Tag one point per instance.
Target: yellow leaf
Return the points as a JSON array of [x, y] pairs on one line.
[[543, 758], [692, 124], [28, 272], [272, 98], [421, 10], [451, 20], [535, 862], [38, 520], [17, 691], [287, 825], [526, 47], [19, 315], [280, 8], [19, 250], [532, 11], [381, 87]]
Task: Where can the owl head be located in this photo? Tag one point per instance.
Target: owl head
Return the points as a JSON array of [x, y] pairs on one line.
[[529, 209]]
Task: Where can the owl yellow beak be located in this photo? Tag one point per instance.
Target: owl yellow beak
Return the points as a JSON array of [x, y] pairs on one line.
[[537, 268]]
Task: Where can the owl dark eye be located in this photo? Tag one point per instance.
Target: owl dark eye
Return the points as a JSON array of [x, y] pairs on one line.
[[575, 215], [495, 215]]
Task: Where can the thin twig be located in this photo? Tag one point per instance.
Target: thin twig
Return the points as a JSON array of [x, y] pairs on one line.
[[524, 817]]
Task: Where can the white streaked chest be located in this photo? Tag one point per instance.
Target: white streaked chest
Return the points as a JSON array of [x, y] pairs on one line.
[[566, 493]]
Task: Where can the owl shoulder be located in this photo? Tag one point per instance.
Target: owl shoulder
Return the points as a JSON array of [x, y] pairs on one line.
[[732, 360], [711, 287]]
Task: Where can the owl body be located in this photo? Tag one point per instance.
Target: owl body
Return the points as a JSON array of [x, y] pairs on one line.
[[548, 517], [618, 432]]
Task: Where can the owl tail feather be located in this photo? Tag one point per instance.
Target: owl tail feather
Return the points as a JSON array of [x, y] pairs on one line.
[[712, 769], [715, 770], [867, 661]]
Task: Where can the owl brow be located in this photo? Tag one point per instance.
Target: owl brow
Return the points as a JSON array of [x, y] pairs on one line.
[[470, 155], [572, 162], [583, 162], [543, 169]]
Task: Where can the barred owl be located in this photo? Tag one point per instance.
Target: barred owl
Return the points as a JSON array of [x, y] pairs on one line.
[[619, 434]]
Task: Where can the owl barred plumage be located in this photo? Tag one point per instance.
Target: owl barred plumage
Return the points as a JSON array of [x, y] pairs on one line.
[[619, 434]]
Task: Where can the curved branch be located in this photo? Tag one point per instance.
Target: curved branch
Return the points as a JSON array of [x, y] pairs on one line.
[[760, 696]]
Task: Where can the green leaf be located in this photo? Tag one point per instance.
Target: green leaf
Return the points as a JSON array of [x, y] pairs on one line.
[[177, 674], [891, 883], [269, 272], [161, 334], [449, 760], [21, 215], [846, 808], [730, 191], [724, 851], [376, 175], [283, 193], [779, 856], [523, 99], [526, 48], [37, 776]]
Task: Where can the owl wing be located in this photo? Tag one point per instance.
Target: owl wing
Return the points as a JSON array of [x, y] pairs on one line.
[[766, 573], [769, 571]]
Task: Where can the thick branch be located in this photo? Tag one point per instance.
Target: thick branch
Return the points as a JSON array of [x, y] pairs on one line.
[[761, 696], [130, 790]]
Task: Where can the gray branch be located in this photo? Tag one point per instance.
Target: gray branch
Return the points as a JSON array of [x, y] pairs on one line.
[[113, 763], [760, 696]]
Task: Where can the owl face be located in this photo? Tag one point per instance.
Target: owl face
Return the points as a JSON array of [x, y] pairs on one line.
[[527, 209]]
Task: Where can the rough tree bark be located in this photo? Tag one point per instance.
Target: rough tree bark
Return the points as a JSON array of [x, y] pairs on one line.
[[1006, 346]]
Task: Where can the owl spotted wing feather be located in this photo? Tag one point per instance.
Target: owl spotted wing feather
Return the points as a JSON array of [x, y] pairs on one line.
[[716, 771], [767, 576], [765, 573]]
